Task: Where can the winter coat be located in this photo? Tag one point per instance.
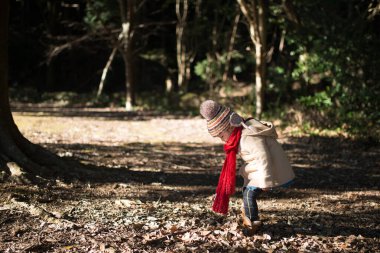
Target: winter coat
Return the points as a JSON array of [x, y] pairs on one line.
[[266, 165]]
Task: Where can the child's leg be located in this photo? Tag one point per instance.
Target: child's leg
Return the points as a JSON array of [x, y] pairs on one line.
[[250, 203]]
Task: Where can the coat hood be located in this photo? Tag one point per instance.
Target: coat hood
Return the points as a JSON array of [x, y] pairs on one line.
[[259, 128]]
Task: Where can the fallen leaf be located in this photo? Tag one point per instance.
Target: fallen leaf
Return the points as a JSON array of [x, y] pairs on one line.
[[173, 229], [205, 233], [267, 237]]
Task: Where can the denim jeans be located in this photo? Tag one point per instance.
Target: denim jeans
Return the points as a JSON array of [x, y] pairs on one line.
[[250, 195]]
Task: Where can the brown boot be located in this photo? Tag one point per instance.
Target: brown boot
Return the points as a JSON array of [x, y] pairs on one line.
[[249, 227], [246, 221]]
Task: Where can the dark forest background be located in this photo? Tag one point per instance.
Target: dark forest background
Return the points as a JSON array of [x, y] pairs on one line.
[[321, 57]]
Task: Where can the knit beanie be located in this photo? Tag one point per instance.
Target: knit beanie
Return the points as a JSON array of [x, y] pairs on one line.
[[217, 116]]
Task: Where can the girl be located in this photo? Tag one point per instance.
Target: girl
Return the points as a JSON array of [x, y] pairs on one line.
[[266, 165]]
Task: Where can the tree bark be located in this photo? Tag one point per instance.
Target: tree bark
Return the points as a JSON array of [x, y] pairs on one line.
[[105, 72], [181, 11], [108, 65], [21, 157], [256, 14], [53, 16], [9, 149], [127, 19], [230, 47], [261, 49]]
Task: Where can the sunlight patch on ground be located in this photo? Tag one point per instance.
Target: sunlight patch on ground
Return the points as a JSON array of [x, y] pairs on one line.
[[85, 130]]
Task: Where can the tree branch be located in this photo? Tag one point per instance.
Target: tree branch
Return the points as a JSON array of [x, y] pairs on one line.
[[290, 12], [252, 20]]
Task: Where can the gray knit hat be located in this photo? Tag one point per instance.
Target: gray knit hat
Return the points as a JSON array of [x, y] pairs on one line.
[[217, 116]]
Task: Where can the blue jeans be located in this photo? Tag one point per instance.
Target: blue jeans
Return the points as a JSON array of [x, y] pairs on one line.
[[250, 195]]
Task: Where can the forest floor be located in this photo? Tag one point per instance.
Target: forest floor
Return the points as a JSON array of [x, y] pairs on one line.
[[154, 179]]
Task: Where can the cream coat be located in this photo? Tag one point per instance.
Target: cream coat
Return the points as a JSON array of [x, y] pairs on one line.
[[266, 163]]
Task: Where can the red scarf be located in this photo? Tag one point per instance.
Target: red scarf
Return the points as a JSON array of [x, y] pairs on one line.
[[227, 179]]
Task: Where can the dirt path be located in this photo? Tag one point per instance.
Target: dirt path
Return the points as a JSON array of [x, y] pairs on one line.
[[159, 173]]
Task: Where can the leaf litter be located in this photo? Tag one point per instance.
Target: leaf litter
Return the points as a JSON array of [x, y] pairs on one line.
[[155, 195]]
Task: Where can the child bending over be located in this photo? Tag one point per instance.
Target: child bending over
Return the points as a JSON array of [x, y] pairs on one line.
[[266, 165]]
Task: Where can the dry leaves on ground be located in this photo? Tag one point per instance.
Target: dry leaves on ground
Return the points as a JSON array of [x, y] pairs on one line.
[[155, 194]]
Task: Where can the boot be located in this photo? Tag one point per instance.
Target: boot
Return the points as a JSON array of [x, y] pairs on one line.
[[249, 227], [246, 221]]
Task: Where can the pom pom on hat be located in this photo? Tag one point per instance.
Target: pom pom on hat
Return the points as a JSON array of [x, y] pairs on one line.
[[209, 109], [217, 116]]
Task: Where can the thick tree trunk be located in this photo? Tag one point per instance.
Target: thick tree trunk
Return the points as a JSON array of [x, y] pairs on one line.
[[18, 156], [4, 102], [9, 150], [7, 146]]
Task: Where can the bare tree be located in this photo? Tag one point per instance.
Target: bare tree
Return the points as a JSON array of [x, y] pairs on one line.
[[255, 11]]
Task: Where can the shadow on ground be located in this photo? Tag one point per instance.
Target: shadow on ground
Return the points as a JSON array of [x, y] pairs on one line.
[[328, 170], [319, 163]]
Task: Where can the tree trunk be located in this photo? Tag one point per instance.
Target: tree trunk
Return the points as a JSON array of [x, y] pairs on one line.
[[181, 11], [127, 18], [230, 48], [212, 58], [18, 156], [53, 16], [256, 14], [261, 49], [105, 71], [9, 134]]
